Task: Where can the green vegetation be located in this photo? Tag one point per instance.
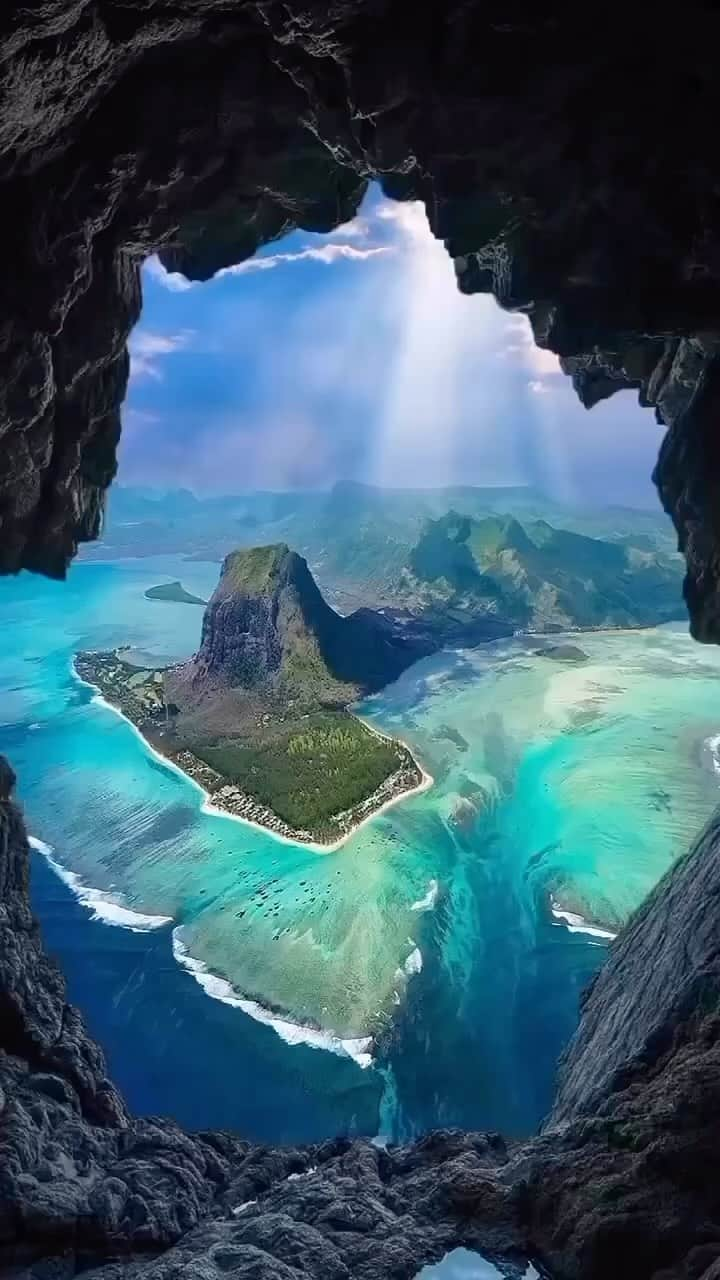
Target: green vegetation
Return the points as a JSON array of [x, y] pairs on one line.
[[356, 538], [325, 764], [307, 678], [534, 575], [254, 571], [174, 592], [264, 702]]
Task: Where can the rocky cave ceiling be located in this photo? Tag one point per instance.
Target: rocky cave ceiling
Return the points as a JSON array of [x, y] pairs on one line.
[[568, 161]]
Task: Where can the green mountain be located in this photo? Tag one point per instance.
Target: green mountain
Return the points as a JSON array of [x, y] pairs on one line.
[[357, 538], [536, 576], [264, 702], [268, 630]]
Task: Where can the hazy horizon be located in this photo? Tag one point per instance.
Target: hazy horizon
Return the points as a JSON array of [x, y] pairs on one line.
[[164, 490]]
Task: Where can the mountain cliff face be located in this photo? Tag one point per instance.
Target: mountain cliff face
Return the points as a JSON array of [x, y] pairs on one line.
[[534, 575], [264, 702], [267, 629]]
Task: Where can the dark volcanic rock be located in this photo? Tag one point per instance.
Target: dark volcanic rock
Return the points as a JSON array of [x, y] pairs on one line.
[[662, 976], [268, 629], [558, 169], [76, 1173]]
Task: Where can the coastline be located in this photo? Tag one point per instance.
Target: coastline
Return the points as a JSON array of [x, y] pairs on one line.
[[105, 909], [210, 807], [102, 904], [357, 1048], [575, 923]]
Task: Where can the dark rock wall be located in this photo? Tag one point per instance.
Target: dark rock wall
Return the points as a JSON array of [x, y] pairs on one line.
[[240, 644], [663, 975], [77, 1175], [569, 165], [252, 632], [574, 175]]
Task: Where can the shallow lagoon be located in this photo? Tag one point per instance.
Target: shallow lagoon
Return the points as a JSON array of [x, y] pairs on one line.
[[429, 930]]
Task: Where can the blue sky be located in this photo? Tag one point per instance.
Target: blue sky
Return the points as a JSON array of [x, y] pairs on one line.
[[353, 356]]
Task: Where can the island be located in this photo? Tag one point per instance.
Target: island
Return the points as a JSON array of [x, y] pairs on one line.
[[562, 653], [260, 717], [173, 592]]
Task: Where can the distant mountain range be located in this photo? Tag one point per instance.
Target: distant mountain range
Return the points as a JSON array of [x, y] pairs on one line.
[[520, 560], [536, 577], [356, 538]]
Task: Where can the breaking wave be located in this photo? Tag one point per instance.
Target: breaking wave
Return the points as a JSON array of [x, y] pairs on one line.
[[291, 1032], [105, 907]]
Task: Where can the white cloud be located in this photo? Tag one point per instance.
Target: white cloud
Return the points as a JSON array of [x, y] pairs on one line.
[[327, 253], [411, 222], [358, 228], [148, 348], [537, 360], [141, 417], [171, 280], [422, 384]]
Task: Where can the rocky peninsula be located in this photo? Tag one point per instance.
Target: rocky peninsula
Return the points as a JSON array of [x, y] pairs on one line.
[[259, 718]]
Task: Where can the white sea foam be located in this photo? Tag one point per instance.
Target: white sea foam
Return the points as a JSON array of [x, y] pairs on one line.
[[414, 963], [435, 678], [575, 923], [102, 906], [291, 1032], [428, 902], [713, 746]]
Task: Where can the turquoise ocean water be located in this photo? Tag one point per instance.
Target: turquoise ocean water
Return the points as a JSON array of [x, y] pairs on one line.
[[417, 975]]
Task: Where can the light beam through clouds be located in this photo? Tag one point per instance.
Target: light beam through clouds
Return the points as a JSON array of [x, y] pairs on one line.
[[354, 356], [430, 404]]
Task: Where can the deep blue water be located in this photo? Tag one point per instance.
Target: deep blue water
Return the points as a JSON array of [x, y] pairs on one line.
[[173, 1051]]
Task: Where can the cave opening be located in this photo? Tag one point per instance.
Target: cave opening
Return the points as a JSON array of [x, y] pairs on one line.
[[573, 176], [338, 396]]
